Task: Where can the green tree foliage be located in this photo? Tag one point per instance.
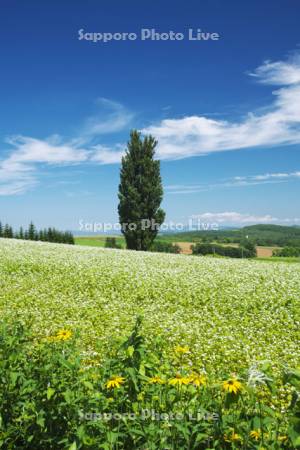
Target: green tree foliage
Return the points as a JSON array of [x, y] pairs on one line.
[[213, 249], [249, 245], [288, 252], [140, 193], [8, 231], [21, 233], [32, 234]]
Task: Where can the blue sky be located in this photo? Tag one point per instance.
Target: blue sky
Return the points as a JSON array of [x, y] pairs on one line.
[[226, 113]]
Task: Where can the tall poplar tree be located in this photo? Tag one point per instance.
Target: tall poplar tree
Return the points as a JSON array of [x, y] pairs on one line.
[[140, 193]]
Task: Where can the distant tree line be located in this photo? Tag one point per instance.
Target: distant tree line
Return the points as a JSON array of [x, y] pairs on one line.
[[247, 250], [287, 252], [32, 234], [261, 235]]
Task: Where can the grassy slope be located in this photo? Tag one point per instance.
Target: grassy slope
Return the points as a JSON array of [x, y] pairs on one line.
[[96, 241], [230, 312]]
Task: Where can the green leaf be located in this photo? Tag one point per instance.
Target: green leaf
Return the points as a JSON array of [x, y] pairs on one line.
[[130, 350], [13, 378], [88, 385], [142, 370], [40, 420], [50, 393], [68, 395]]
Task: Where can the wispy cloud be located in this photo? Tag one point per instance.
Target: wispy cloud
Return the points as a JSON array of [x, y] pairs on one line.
[[107, 155], [235, 182], [278, 124], [279, 72], [236, 218], [112, 118], [270, 176], [19, 170]]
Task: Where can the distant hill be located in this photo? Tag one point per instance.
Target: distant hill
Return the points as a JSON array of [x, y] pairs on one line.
[[261, 234]]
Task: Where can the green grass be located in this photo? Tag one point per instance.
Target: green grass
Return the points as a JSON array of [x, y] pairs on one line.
[[280, 259], [97, 241]]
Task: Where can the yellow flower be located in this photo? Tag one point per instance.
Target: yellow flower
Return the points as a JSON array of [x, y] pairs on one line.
[[115, 382], [283, 438], [198, 380], [181, 350], [233, 386], [255, 434], [179, 380], [63, 335], [233, 437], [156, 380]]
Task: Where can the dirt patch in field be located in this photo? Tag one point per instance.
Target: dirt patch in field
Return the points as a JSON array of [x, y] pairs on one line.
[[262, 252], [185, 247], [265, 252]]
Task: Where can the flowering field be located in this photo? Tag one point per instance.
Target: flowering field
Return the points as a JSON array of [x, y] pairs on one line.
[[211, 364], [230, 313]]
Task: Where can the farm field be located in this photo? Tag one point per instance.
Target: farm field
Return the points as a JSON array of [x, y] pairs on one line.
[[231, 313], [263, 253]]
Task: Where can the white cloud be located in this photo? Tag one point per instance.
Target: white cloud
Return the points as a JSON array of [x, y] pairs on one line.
[[113, 117], [50, 151], [279, 72], [18, 170], [236, 218], [279, 124], [106, 155]]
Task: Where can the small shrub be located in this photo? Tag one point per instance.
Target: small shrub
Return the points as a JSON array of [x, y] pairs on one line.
[[111, 242], [165, 247]]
